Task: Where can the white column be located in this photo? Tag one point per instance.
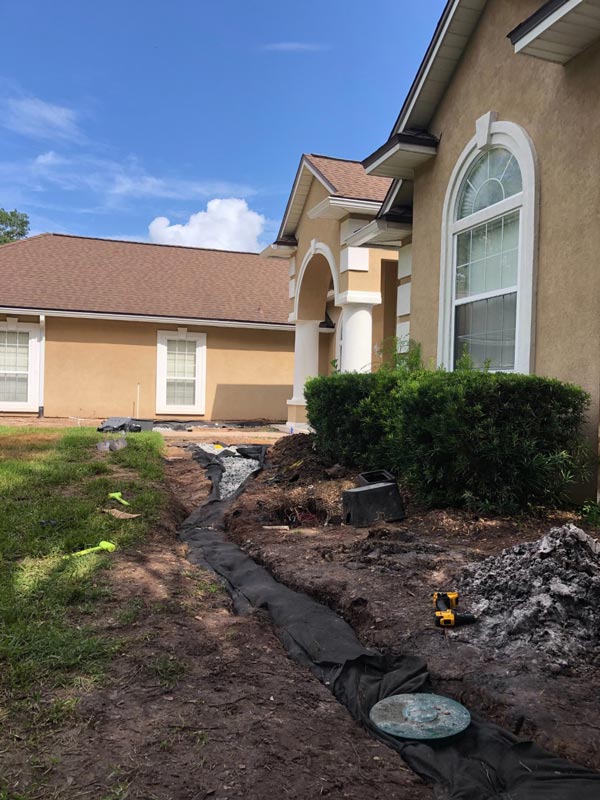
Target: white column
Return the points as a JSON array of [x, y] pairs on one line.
[[357, 343], [306, 357]]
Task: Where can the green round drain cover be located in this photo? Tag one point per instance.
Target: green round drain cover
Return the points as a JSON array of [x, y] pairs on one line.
[[419, 716]]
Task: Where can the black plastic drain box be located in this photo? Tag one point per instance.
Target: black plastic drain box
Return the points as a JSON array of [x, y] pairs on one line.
[[375, 501]]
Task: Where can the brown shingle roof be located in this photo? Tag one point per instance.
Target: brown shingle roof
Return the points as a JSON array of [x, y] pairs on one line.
[[73, 273], [350, 179]]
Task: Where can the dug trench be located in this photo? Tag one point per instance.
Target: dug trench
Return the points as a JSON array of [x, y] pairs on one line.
[[380, 581], [197, 703]]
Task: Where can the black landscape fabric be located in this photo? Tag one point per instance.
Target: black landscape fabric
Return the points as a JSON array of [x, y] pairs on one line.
[[482, 763]]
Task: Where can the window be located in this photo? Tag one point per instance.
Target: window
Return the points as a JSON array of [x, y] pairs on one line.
[[14, 366], [181, 367], [19, 367], [487, 263], [486, 291]]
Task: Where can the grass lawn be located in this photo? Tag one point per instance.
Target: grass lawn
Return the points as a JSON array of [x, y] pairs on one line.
[[54, 486]]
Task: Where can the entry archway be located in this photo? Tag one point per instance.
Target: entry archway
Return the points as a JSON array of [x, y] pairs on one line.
[[316, 285], [316, 276]]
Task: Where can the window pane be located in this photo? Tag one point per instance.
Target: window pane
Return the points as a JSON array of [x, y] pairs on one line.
[[493, 257], [181, 393], [13, 388], [494, 176], [491, 192], [181, 358], [485, 329], [511, 179], [463, 254]]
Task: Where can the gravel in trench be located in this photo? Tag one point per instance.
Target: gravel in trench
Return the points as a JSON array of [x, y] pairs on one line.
[[237, 468]]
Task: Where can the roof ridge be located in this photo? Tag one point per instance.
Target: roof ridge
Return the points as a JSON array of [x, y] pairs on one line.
[[25, 239], [333, 158], [147, 244]]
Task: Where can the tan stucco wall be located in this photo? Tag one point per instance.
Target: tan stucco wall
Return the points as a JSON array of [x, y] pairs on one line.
[[558, 107], [93, 369], [326, 231]]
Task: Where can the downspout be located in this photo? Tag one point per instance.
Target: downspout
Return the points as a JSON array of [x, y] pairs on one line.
[[42, 365]]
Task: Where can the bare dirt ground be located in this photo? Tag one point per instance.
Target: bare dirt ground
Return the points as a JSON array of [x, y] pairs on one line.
[[198, 703], [380, 580]]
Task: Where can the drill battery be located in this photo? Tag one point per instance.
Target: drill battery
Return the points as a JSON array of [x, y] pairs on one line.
[[446, 615]]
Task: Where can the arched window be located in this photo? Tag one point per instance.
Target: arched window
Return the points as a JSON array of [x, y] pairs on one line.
[[488, 254]]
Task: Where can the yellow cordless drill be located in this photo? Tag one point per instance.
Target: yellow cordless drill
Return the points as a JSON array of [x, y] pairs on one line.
[[446, 615]]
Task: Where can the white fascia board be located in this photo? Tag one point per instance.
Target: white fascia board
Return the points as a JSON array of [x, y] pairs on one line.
[[305, 166], [461, 14], [406, 116], [543, 26], [378, 227], [416, 154], [277, 251], [212, 323], [338, 207], [390, 199]]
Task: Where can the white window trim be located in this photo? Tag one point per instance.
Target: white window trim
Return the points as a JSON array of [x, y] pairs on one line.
[[161, 372], [33, 382], [516, 140]]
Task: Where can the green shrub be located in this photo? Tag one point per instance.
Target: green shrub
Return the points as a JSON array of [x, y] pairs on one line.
[[344, 432], [489, 441]]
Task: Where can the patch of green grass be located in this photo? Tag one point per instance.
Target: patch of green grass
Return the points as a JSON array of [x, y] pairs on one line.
[[47, 714], [144, 457], [130, 611], [167, 668], [54, 485], [204, 587]]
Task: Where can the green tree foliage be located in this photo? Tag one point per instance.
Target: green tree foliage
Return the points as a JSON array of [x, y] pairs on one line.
[[493, 442], [13, 225]]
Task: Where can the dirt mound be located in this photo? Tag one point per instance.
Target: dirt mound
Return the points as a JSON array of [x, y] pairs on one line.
[[542, 597], [294, 459]]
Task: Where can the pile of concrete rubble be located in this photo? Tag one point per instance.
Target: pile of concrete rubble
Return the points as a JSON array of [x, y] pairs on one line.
[[540, 600]]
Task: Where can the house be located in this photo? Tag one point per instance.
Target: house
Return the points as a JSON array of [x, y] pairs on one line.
[[92, 328], [346, 300], [493, 202]]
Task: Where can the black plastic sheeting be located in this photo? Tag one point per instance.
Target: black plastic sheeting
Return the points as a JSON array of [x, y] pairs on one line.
[[213, 464], [483, 763], [134, 425]]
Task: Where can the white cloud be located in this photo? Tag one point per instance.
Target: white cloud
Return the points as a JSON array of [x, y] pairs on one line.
[[295, 47], [227, 224], [38, 119], [112, 182], [49, 159]]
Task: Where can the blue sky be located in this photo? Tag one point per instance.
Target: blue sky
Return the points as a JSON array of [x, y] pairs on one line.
[[114, 114]]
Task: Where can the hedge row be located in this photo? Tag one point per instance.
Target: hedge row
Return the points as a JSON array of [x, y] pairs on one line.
[[490, 441]]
